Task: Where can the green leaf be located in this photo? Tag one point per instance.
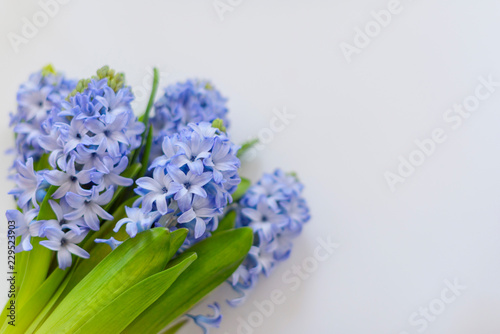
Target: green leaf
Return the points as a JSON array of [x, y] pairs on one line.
[[134, 260], [226, 223], [37, 302], [46, 212], [98, 251], [48, 308], [177, 238], [242, 189], [246, 146], [116, 316], [97, 254], [42, 163], [38, 259], [20, 267], [175, 328], [218, 257]]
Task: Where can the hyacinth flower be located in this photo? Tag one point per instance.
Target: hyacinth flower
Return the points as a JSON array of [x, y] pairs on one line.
[[77, 164], [276, 211], [186, 182], [65, 244], [60, 222], [28, 184], [115, 208], [26, 227], [193, 101], [206, 320], [36, 97]]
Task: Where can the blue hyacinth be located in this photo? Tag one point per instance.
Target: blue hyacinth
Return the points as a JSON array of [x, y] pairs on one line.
[[87, 138], [204, 321], [44, 90], [79, 146], [190, 186], [275, 209], [193, 101]]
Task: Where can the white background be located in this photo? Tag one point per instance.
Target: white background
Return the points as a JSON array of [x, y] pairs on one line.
[[352, 121]]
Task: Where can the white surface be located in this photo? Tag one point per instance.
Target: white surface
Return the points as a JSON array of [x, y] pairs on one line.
[[352, 122]]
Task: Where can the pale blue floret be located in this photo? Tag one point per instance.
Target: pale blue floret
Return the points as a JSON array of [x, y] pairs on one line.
[[275, 209], [205, 321]]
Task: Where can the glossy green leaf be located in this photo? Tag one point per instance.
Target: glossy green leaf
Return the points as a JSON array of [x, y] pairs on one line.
[[175, 328], [20, 267], [48, 308], [45, 208], [246, 146], [177, 238], [37, 302], [97, 251], [241, 189], [38, 259], [226, 223], [218, 257], [42, 163], [116, 316], [136, 259], [85, 266]]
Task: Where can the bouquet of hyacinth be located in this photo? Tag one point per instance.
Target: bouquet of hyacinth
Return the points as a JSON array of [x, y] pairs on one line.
[[124, 223]]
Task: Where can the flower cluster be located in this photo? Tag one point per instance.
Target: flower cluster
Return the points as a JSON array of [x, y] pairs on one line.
[[88, 138], [275, 209], [44, 90], [78, 148], [193, 101], [191, 184]]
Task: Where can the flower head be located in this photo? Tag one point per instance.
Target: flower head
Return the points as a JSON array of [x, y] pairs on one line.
[[193, 101], [136, 221], [275, 209], [25, 227], [89, 207], [36, 97], [193, 180], [61, 223], [29, 183], [65, 244]]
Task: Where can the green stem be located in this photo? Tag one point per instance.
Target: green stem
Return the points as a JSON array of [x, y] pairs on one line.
[[37, 302], [147, 151], [37, 268], [145, 117], [20, 268], [38, 259]]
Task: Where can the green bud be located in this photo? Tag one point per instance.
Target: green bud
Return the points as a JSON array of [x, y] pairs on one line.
[[115, 80], [219, 124], [294, 174], [48, 69], [80, 87]]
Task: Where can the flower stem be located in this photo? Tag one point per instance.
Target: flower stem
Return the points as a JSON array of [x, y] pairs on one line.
[[145, 117]]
